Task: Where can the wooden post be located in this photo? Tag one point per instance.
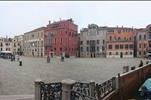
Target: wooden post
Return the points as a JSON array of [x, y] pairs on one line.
[[67, 88], [38, 90]]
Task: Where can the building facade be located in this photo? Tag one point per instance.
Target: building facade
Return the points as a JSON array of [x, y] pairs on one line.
[[142, 42], [121, 42], [61, 38], [6, 44], [34, 43], [92, 41], [18, 45]]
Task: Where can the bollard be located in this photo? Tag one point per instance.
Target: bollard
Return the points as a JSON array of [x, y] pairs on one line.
[[67, 88], [20, 63], [38, 90]]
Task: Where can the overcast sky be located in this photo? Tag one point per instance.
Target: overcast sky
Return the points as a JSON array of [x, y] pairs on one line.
[[19, 17]]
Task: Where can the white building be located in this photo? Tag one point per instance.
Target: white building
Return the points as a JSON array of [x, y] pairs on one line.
[[92, 41], [6, 44]]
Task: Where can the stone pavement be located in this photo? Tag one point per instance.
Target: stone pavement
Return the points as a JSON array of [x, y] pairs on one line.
[[16, 97], [18, 80]]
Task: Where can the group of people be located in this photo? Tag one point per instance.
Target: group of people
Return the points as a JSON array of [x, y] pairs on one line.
[[17, 57], [48, 58]]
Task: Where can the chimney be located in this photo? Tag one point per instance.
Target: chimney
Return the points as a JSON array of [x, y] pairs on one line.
[[49, 22]]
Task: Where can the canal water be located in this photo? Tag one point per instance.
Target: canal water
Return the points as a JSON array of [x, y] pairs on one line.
[[15, 79]]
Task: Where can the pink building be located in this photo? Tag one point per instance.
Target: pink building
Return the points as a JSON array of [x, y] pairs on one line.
[[61, 37]]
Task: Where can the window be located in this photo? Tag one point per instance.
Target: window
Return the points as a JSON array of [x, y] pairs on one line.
[[97, 48], [1, 44], [103, 41], [98, 41], [144, 37], [131, 46], [87, 49], [126, 53], [119, 38], [81, 42], [110, 53], [116, 53], [126, 46], [131, 53], [130, 38], [6, 44], [139, 52], [87, 41], [103, 48], [60, 49], [1, 49], [116, 46], [81, 49], [110, 47], [140, 37], [144, 45], [110, 38], [55, 40], [139, 45], [121, 46], [61, 40]]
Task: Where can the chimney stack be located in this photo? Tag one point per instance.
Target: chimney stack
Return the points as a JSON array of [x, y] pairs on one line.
[[49, 22]]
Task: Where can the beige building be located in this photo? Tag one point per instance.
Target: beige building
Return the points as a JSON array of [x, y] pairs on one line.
[[34, 43], [6, 44], [18, 45], [142, 42]]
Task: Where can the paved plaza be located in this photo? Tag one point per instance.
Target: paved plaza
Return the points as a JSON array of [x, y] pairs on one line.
[[19, 80]]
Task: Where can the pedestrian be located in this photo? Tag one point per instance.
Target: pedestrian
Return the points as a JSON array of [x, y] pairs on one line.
[[48, 59], [62, 58], [141, 64], [20, 62]]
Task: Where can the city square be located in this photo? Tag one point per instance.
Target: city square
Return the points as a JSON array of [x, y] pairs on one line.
[[83, 51], [17, 80]]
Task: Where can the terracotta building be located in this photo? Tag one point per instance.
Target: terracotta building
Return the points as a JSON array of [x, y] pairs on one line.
[[120, 42], [61, 38]]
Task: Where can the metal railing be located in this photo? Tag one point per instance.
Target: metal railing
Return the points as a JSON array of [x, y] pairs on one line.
[[51, 91], [105, 88]]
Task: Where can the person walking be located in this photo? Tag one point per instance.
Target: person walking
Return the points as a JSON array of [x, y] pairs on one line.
[[48, 59], [20, 62]]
